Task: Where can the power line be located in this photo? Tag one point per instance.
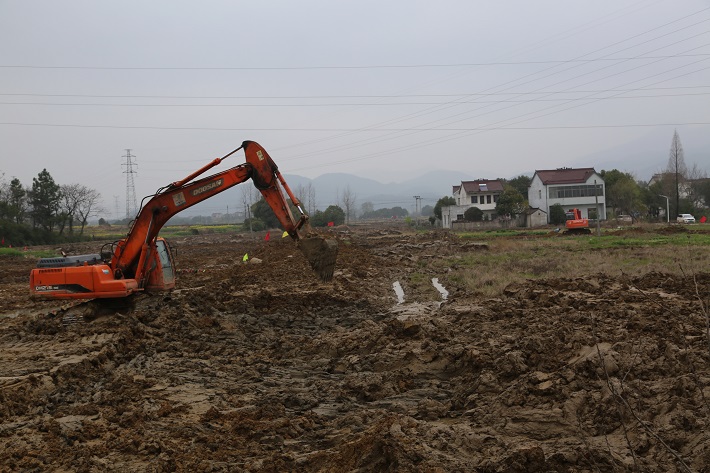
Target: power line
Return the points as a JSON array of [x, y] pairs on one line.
[[369, 130], [302, 97], [453, 103], [297, 68], [510, 84], [354, 104], [115, 198]]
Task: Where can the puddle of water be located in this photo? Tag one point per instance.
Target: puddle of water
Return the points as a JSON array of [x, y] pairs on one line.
[[442, 290], [399, 291]]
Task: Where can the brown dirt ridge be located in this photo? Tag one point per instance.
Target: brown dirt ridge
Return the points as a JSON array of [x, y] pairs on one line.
[[263, 367]]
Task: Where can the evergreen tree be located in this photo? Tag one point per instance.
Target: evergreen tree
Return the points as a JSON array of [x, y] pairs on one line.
[[333, 214], [262, 211], [17, 201], [443, 202], [521, 184], [473, 214], [557, 214], [44, 199], [511, 202]]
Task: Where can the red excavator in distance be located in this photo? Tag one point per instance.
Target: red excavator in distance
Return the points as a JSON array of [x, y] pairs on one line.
[[575, 224], [144, 262]]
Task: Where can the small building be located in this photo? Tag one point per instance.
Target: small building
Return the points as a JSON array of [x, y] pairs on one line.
[[481, 193], [580, 188], [535, 218]]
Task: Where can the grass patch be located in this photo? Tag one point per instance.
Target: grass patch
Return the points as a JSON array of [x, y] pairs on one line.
[[215, 228], [512, 259], [169, 231], [28, 253]]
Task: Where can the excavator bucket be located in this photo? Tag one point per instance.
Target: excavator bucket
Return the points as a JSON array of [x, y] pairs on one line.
[[320, 253]]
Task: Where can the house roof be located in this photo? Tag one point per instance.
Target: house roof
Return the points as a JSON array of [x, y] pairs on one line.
[[532, 210], [479, 185], [565, 175]]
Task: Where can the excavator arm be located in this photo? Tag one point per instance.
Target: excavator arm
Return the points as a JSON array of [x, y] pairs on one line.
[[142, 261], [130, 257]]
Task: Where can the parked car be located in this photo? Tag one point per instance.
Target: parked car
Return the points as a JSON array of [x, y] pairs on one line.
[[624, 219], [685, 218]]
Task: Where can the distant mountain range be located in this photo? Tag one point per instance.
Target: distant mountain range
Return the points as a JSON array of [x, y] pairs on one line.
[[329, 189], [642, 158]]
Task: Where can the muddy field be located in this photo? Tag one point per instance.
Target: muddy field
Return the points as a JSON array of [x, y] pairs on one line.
[[259, 366]]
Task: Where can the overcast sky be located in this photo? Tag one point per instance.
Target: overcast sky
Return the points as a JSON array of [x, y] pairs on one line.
[[381, 89]]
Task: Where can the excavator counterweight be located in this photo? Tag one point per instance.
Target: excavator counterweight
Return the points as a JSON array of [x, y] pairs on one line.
[[143, 262]]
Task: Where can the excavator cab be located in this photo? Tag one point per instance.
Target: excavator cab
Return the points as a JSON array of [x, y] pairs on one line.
[[161, 275]]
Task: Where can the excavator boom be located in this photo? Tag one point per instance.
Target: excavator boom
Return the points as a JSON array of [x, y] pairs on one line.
[[135, 259]]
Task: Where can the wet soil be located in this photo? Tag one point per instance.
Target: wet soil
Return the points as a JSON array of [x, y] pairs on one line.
[[260, 366]]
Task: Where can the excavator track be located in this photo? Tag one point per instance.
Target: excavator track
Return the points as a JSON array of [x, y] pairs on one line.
[[77, 312], [578, 231]]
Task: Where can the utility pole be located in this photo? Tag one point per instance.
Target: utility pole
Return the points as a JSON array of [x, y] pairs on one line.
[[130, 184], [599, 214], [668, 209], [417, 207], [115, 200]]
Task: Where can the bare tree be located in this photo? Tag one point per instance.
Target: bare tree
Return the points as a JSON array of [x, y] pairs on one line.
[[307, 195], [697, 182], [89, 205], [366, 208], [77, 204], [348, 200], [676, 168], [70, 197], [311, 199], [248, 196]]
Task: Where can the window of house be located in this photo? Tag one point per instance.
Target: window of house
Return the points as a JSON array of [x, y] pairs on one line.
[[562, 192], [474, 199], [539, 194], [488, 199], [495, 198]]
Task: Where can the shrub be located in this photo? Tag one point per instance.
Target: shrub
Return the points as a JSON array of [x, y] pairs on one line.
[[473, 214], [557, 214]]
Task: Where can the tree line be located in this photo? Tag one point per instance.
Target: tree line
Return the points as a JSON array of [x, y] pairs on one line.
[[45, 212]]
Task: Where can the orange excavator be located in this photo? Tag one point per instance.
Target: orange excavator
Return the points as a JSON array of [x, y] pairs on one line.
[[575, 224], [143, 261]]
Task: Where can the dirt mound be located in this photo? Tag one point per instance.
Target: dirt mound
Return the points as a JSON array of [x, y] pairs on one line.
[[259, 366]]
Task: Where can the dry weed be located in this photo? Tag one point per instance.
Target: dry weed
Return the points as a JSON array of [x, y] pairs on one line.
[[514, 260]]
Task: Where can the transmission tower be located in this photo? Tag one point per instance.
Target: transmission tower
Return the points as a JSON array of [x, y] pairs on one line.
[[130, 184]]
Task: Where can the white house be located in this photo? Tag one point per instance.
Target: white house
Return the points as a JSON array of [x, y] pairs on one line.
[[481, 193], [571, 188]]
